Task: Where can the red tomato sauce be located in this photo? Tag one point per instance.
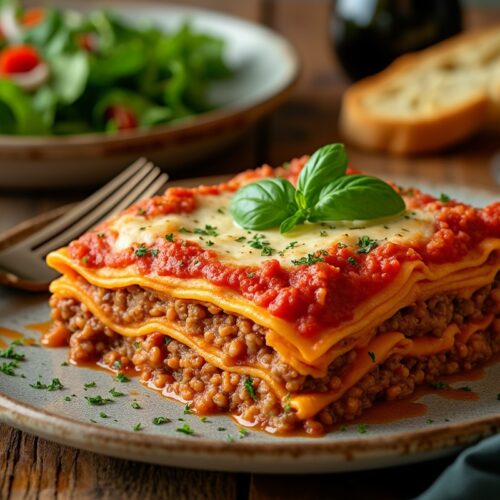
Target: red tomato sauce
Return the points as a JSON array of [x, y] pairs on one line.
[[310, 296]]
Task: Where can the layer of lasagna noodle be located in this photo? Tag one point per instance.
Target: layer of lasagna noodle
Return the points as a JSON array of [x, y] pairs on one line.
[[287, 332]]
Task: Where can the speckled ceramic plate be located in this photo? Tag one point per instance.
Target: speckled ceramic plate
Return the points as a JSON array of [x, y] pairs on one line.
[[66, 416]]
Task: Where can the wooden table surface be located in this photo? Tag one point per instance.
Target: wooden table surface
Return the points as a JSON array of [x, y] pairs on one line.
[[34, 468]]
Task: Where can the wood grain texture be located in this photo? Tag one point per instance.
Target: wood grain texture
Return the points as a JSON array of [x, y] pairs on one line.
[[32, 468]]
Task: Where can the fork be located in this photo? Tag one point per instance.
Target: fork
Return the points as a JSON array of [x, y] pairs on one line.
[[23, 264]]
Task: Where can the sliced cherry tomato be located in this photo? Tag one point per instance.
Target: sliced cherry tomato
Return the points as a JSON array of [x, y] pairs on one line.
[[18, 59], [84, 40], [32, 17], [123, 116]]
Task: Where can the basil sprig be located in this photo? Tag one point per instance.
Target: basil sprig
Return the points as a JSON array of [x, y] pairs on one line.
[[324, 193]]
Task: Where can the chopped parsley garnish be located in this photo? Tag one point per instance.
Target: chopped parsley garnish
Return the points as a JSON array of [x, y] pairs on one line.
[[117, 364], [209, 243], [352, 261], [229, 438], [115, 393], [259, 242], [89, 385], [85, 259], [185, 429], [98, 400], [243, 433], [205, 420], [64, 363], [440, 385], [137, 344], [170, 237], [287, 406], [10, 353], [187, 410], [135, 405], [341, 245], [444, 198], [183, 230], [362, 428], [17, 342], [372, 356], [220, 210], [429, 421], [120, 377], [251, 274], [241, 239], [323, 233], [67, 398], [248, 384], [221, 429], [55, 385], [310, 259], [207, 231], [161, 420], [137, 427], [465, 388], [103, 415], [366, 244], [141, 211], [167, 340], [141, 251]]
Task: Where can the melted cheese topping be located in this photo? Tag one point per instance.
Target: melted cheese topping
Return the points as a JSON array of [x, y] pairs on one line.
[[211, 226]]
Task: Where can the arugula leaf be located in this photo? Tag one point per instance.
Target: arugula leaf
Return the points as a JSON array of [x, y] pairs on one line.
[[324, 166], [355, 197], [17, 115], [264, 204], [69, 76]]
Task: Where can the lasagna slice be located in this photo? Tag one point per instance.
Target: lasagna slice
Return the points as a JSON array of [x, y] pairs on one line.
[[292, 331]]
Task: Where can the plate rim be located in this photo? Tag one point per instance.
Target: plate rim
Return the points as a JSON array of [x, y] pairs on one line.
[[185, 128], [329, 456]]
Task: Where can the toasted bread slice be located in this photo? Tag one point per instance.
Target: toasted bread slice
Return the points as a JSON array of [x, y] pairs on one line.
[[430, 99]]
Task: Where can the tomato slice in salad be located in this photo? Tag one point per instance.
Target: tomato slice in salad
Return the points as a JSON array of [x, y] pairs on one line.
[[32, 17], [18, 59], [123, 116]]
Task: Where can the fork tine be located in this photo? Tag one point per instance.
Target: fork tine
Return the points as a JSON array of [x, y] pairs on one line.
[[121, 199], [102, 207], [86, 206], [142, 191]]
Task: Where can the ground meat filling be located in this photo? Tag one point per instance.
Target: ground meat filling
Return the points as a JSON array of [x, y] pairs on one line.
[[177, 370]]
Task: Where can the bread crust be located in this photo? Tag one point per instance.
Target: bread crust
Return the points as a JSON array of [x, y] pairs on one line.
[[415, 134]]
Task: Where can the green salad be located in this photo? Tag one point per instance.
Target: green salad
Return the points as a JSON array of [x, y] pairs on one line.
[[63, 72]]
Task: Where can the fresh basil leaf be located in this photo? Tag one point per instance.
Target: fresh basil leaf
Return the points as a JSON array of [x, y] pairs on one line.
[[356, 197], [288, 224], [263, 204], [69, 75], [323, 167]]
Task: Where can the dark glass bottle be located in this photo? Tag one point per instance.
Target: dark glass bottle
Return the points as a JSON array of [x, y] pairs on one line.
[[370, 34]]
